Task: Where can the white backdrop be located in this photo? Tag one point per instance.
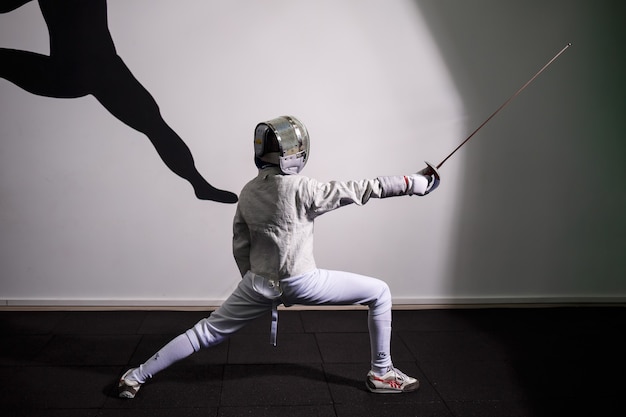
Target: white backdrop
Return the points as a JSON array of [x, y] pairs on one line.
[[90, 215]]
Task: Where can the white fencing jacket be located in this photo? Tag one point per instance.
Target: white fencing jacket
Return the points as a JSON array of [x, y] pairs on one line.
[[273, 224]]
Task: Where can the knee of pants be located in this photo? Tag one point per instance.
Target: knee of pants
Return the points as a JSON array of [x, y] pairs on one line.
[[203, 335], [382, 304]]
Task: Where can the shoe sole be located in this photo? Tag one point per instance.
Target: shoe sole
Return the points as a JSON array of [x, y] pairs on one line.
[[126, 394]]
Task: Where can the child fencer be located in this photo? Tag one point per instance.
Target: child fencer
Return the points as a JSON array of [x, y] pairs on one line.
[[273, 249]]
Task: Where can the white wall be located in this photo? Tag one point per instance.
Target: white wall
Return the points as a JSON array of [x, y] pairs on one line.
[[531, 209]]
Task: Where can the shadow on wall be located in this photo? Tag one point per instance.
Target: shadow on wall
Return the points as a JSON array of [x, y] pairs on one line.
[[541, 215], [83, 61]]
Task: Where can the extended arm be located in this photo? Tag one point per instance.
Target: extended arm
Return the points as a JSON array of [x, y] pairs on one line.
[[328, 196]]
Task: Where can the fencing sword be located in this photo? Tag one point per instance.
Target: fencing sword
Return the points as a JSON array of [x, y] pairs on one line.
[[503, 105]]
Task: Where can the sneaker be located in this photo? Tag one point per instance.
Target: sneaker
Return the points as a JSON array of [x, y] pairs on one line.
[[393, 382], [127, 388]]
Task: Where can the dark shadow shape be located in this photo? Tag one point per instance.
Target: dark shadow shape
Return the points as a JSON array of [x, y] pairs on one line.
[[83, 61], [314, 373], [278, 370]]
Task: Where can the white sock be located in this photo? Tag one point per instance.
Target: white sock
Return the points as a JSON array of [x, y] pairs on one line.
[[380, 342], [179, 348]]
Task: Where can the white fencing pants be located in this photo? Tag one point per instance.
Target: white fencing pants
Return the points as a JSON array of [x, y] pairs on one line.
[[246, 303]]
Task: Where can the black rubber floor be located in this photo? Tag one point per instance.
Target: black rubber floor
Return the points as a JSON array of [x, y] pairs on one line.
[[471, 362]]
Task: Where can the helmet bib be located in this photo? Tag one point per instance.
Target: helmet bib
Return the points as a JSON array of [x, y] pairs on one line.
[[292, 138]]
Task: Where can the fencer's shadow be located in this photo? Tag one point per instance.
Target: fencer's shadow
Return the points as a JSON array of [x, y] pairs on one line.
[[315, 374], [83, 61]]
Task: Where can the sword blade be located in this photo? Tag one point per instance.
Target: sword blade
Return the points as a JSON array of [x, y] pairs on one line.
[[505, 104]]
